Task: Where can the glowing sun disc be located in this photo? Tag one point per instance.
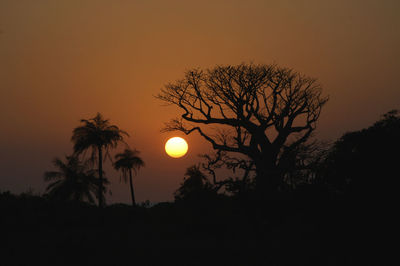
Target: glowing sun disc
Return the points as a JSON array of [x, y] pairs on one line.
[[176, 147]]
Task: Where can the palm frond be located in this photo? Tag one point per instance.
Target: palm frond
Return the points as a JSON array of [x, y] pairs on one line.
[[75, 180], [128, 160], [51, 175], [54, 184]]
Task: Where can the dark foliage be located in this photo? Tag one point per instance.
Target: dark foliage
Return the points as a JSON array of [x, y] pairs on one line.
[[73, 181], [195, 187], [365, 163]]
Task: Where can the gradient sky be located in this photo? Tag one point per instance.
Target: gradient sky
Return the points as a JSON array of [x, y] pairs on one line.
[[61, 61]]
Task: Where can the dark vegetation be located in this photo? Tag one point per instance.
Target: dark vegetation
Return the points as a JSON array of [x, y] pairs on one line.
[[325, 205]]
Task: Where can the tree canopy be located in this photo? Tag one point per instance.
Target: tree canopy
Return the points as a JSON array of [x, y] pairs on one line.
[[364, 162]]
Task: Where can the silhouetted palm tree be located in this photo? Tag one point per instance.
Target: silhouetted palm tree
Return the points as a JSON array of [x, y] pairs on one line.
[[74, 180], [126, 162], [195, 186], [97, 134]]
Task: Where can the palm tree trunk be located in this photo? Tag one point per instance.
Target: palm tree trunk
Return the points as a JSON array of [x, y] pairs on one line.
[[100, 177], [131, 185]]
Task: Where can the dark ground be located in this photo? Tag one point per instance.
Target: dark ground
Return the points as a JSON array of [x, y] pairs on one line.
[[297, 230]]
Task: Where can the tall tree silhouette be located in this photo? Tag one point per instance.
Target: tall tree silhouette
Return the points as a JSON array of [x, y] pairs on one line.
[[127, 162], [74, 180], [260, 111], [97, 135]]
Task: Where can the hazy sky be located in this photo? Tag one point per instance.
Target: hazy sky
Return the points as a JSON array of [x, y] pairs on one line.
[[61, 61]]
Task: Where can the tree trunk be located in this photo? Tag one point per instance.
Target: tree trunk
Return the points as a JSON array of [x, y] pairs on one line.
[[267, 180], [131, 185], [101, 203]]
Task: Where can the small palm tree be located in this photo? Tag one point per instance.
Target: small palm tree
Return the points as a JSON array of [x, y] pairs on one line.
[[126, 162], [74, 180], [195, 186], [97, 135]]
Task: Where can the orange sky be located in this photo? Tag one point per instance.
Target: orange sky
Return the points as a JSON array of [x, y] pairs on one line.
[[61, 61]]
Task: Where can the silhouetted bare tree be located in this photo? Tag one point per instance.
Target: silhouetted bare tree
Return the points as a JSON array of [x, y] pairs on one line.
[[260, 111], [126, 162], [98, 135]]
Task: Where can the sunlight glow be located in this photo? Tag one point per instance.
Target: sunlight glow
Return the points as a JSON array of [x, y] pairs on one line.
[[176, 147]]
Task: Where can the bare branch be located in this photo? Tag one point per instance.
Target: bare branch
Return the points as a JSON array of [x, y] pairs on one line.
[[261, 105]]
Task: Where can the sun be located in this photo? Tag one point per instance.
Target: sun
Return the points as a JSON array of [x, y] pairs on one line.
[[176, 147]]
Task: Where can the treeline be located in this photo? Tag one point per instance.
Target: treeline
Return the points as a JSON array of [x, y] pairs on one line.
[[360, 164], [357, 164]]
